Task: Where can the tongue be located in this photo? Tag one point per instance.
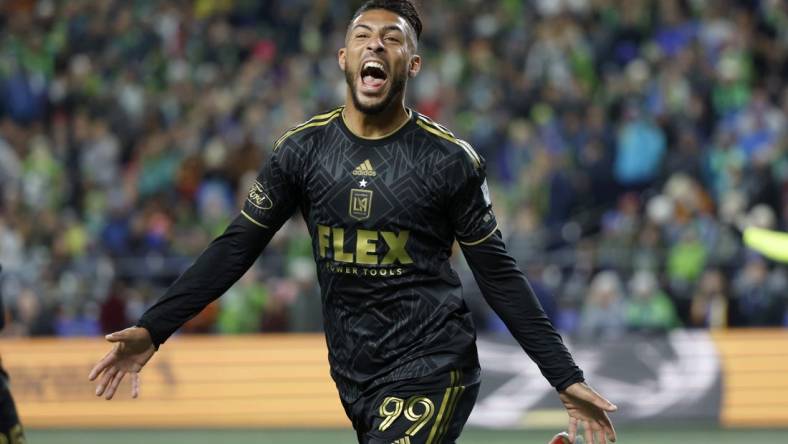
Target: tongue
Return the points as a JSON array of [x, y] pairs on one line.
[[373, 81]]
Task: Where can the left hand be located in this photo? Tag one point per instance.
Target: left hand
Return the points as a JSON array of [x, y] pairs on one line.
[[133, 349], [589, 409]]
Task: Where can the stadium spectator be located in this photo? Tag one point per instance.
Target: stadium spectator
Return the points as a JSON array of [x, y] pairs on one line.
[[758, 294], [242, 306], [113, 309], [711, 302], [604, 314], [648, 308]]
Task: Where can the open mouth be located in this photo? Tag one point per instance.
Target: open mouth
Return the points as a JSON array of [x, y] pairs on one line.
[[373, 75]]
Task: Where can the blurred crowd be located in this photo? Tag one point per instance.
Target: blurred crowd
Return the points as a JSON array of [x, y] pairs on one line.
[[627, 144]]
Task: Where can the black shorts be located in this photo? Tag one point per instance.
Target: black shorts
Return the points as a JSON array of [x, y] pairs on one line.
[[429, 410], [10, 429]]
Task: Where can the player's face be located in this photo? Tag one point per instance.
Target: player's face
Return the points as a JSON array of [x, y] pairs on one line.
[[378, 59]]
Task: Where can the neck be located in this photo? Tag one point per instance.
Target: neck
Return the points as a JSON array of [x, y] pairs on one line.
[[373, 126]]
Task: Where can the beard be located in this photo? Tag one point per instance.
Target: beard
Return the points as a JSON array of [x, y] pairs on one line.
[[397, 86]]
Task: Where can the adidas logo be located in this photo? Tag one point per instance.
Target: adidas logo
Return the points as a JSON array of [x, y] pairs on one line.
[[365, 169]]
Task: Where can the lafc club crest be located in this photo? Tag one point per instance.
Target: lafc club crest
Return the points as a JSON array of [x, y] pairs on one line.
[[360, 204], [259, 198]]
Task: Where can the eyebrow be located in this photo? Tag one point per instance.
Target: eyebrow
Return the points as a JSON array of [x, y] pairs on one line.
[[385, 28], [360, 25]]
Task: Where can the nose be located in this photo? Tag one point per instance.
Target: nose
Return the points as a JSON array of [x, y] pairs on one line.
[[375, 44]]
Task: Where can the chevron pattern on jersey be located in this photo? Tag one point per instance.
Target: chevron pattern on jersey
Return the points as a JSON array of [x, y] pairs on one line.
[[392, 306]]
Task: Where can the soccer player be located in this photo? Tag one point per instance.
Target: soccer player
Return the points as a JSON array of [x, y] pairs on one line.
[[385, 191], [10, 429]]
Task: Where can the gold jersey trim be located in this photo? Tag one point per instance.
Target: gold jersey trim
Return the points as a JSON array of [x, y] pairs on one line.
[[470, 244], [318, 120], [251, 219], [410, 114], [441, 131]]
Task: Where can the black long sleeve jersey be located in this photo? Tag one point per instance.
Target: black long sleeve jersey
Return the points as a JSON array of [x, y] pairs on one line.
[[383, 215]]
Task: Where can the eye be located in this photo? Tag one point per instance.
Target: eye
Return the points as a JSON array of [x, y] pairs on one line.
[[362, 36], [392, 39]]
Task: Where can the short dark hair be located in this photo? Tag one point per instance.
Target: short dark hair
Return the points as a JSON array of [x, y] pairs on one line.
[[404, 8]]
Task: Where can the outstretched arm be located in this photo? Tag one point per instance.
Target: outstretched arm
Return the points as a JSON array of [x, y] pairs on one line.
[[272, 199], [505, 288], [507, 291], [224, 262]]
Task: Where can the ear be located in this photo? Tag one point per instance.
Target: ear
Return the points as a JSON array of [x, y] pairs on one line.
[[341, 58], [415, 66]]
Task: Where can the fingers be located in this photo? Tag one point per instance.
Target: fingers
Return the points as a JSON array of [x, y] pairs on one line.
[[603, 403], [106, 378], [607, 428], [594, 432], [113, 386], [102, 364], [600, 401], [584, 392], [599, 437], [98, 368], [572, 429], [590, 395], [118, 336], [599, 434], [588, 433], [135, 385]]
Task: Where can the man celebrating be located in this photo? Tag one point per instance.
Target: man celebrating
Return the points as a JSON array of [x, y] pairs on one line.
[[385, 192]]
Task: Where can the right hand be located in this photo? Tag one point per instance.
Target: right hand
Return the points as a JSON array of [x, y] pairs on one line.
[[588, 409], [133, 349]]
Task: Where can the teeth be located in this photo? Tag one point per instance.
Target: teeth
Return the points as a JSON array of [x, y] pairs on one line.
[[373, 65]]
